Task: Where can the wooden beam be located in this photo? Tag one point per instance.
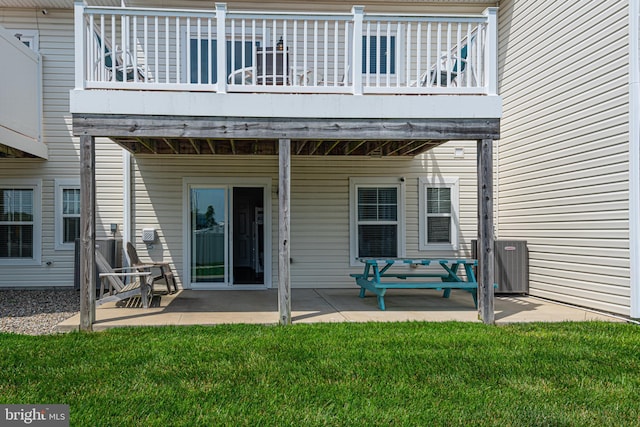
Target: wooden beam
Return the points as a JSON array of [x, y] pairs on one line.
[[233, 146], [87, 233], [195, 146], [113, 125], [301, 145], [332, 147], [485, 232], [284, 274], [170, 144], [355, 147], [146, 144], [313, 151], [211, 146]]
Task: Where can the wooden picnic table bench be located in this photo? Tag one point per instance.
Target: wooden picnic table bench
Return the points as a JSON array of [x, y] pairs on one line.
[[376, 275]]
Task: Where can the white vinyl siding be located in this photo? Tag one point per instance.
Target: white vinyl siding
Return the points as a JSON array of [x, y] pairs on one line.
[[320, 243], [563, 153], [55, 39]]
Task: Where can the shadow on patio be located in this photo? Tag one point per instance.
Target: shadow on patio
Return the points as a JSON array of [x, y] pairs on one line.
[[189, 307]]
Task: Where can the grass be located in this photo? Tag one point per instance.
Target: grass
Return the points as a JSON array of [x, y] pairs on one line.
[[564, 374]]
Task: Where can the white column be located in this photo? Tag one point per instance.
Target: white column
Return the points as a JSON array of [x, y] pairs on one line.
[[221, 36], [356, 53], [491, 51], [80, 41]]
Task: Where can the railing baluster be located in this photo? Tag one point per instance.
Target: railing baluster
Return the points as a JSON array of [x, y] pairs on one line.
[[304, 49], [428, 76], [315, 49], [243, 41], [233, 49], [254, 45], [367, 54], [166, 49], [418, 52], [199, 49], [388, 54], [209, 53], [326, 49], [285, 54], [156, 68], [408, 58], [336, 29], [178, 78], [303, 79], [274, 27]]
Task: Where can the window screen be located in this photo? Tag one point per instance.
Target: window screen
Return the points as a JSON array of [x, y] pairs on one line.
[[438, 215], [16, 223], [377, 222]]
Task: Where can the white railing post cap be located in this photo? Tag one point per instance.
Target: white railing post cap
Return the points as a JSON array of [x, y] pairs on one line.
[[357, 9], [221, 6]]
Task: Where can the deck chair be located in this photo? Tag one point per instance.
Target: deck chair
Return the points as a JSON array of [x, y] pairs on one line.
[[165, 269], [111, 279], [124, 66], [242, 76], [449, 64]]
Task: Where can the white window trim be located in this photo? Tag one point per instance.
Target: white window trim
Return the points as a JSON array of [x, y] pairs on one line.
[[453, 184], [36, 186], [60, 185], [354, 183]]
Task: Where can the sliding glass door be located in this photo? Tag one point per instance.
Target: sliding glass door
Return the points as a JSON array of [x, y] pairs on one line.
[[227, 240], [209, 230]]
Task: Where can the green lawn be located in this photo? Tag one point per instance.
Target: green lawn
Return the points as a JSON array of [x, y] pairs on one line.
[[420, 374]]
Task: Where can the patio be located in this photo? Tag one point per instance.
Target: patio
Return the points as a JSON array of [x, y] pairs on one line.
[[189, 307]]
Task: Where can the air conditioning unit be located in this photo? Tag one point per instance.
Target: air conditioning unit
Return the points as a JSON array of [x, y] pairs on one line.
[[511, 265]]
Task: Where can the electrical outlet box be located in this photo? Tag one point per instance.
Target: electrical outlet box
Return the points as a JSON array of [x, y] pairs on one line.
[[149, 235]]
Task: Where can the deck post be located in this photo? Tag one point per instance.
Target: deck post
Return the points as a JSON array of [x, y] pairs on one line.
[[485, 250], [87, 233], [284, 275]]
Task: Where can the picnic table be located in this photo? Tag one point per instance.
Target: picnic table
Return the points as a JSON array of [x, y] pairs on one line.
[[378, 276]]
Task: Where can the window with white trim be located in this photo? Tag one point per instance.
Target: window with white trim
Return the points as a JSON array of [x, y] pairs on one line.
[[20, 222], [67, 213], [377, 218], [439, 207]]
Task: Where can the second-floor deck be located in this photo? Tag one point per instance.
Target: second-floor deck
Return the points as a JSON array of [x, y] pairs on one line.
[[133, 62]]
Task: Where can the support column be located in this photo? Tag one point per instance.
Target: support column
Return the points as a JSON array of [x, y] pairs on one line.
[[87, 233], [284, 275], [485, 232]]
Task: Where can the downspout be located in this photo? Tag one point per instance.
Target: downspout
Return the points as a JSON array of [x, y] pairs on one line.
[[634, 156], [126, 201]]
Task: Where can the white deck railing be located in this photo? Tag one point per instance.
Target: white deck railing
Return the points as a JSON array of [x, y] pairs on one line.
[[222, 51]]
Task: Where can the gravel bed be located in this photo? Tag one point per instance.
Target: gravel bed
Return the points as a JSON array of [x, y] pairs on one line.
[[36, 312]]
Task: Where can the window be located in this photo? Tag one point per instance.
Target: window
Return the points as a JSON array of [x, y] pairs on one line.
[[377, 218], [28, 37], [387, 48], [20, 228], [236, 63], [439, 227], [67, 213]]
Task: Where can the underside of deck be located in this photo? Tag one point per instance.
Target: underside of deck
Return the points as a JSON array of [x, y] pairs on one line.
[[178, 135]]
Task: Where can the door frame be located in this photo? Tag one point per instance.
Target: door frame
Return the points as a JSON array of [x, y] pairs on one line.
[[228, 183]]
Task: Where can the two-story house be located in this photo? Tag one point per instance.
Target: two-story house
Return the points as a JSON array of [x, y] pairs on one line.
[[257, 145]]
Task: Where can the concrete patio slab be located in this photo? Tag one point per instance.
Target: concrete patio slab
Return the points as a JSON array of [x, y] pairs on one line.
[[189, 307]]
